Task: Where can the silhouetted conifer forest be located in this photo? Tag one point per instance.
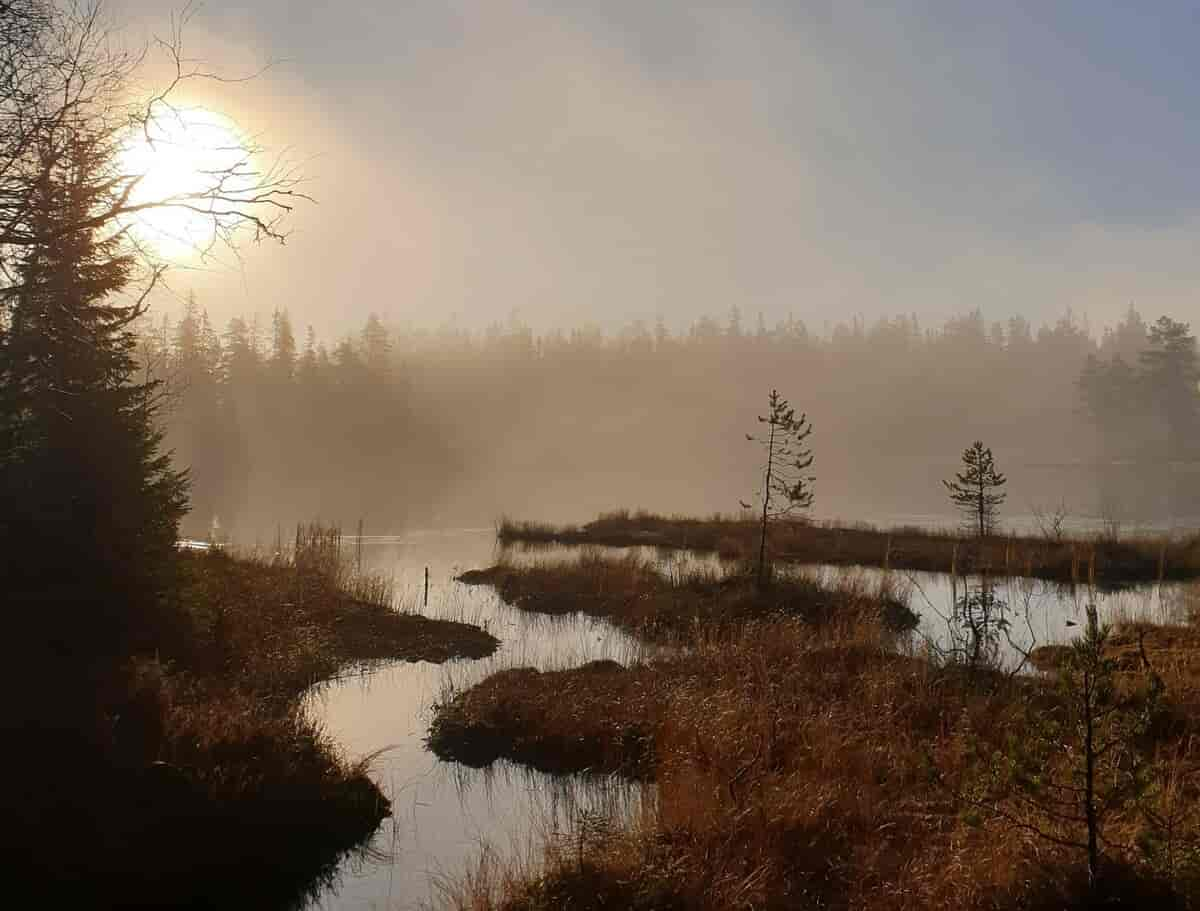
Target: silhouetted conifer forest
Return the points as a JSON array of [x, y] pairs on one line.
[[401, 426]]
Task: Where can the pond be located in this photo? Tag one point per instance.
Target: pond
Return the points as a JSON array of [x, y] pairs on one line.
[[446, 815]]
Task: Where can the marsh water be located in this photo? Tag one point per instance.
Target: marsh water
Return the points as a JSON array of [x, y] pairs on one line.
[[446, 816]]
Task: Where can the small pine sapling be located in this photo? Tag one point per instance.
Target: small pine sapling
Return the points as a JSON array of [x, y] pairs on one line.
[[786, 488], [975, 490]]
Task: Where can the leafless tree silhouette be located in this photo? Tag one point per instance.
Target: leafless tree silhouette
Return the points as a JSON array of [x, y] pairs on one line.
[[66, 80]]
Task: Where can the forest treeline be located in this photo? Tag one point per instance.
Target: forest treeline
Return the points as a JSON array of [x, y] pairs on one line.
[[398, 425]]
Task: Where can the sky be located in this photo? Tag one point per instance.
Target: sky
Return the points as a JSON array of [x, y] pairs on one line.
[[602, 162]]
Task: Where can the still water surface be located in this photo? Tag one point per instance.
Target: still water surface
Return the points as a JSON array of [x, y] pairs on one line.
[[444, 813]]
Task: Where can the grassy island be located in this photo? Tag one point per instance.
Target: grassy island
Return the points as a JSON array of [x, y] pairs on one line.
[[634, 595], [1104, 559], [805, 756]]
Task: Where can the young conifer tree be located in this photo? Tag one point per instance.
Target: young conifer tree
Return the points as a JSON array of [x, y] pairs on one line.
[[786, 488], [1083, 758], [976, 489]]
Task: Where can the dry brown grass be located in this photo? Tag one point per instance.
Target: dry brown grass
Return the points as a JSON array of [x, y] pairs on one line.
[[192, 775], [1101, 558], [598, 718], [811, 765], [278, 626], [633, 594]]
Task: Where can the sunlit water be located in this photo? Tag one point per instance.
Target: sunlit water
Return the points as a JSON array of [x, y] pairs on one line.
[[1027, 612], [1032, 612], [444, 814]]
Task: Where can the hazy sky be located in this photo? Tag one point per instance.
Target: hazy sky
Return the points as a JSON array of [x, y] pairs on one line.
[[607, 161]]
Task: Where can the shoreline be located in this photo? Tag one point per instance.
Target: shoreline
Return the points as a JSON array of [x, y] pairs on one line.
[[1102, 560], [799, 757], [197, 778]]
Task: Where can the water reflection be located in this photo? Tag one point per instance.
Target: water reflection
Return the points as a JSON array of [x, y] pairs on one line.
[[1022, 613], [445, 814], [1033, 612]]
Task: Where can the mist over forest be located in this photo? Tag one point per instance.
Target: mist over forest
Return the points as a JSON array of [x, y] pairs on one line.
[[404, 427], [339, 579]]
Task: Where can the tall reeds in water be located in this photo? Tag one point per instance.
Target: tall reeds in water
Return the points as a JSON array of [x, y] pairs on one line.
[[318, 555]]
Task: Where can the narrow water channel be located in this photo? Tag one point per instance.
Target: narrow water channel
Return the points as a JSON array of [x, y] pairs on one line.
[[445, 815]]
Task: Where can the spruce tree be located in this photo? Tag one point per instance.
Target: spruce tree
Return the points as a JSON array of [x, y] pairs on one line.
[[1171, 375], [198, 428], [976, 489], [92, 505]]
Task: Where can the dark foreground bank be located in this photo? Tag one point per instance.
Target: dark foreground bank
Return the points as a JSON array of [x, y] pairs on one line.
[[181, 771]]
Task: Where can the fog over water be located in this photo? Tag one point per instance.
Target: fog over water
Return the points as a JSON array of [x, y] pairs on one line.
[[560, 253], [404, 428], [304, 307]]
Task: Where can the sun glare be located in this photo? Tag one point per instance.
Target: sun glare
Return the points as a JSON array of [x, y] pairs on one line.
[[178, 159]]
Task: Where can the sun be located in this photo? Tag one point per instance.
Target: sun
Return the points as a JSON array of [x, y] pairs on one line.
[[176, 160]]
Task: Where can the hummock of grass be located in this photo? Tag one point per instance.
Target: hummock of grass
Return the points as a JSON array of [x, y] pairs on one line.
[[812, 764], [597, 718], [278, 628], [1102, 559], [633, 594], [793, 770]]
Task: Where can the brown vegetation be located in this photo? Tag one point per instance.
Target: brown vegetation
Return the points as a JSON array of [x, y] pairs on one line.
[[814, 765], [278, 628], [1104, 558], [193, 775], [633, 594], [597, 718]]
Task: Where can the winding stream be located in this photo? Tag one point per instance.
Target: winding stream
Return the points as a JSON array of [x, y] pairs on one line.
[[445, 815]]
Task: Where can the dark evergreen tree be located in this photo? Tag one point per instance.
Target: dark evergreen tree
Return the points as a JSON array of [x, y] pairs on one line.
[[307, 368], [198, 423], [240, 362], [976, 489], [283, 348], [376, 347], [1127, 339], [1170, 373], [92, 504], [1082, 758], [1113, 398]]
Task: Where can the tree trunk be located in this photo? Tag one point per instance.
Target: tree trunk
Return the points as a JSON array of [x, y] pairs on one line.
[[980, 507], [762, 542], [1090, 782]]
